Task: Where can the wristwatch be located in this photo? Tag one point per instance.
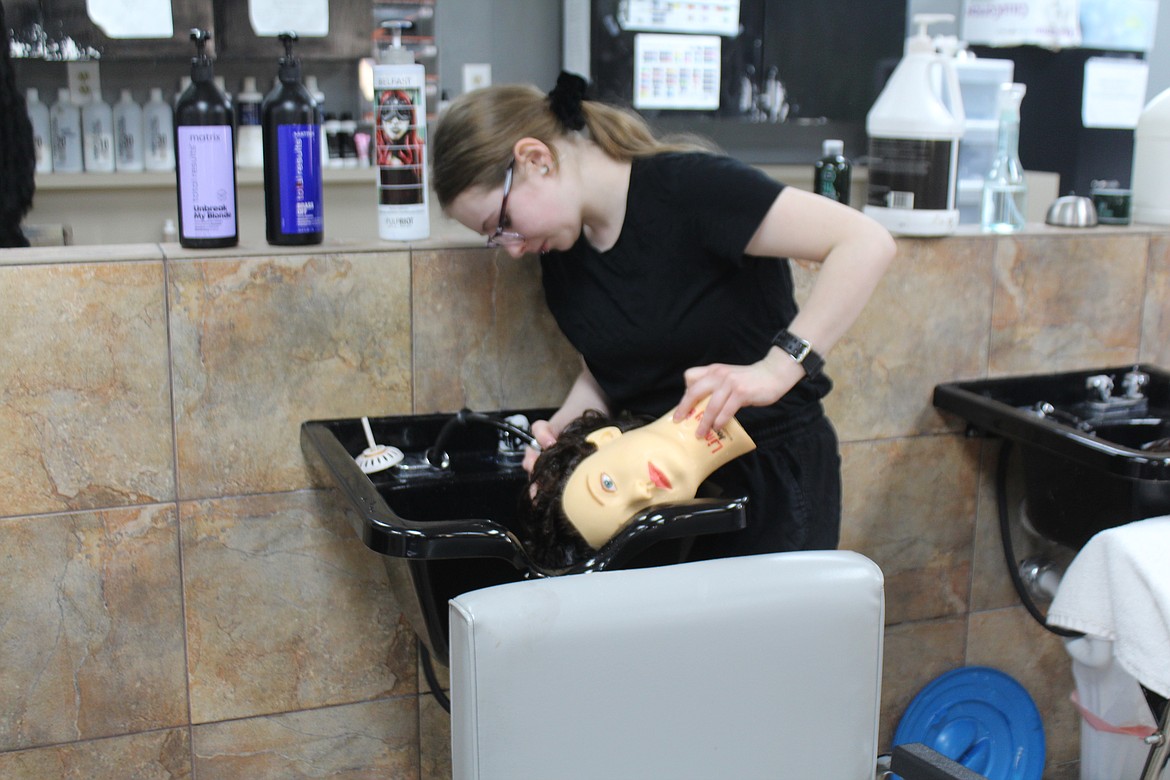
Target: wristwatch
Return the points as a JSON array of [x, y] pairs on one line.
[[800, 351]]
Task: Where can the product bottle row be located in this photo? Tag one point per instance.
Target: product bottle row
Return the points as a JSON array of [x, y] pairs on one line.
[[97, 137]]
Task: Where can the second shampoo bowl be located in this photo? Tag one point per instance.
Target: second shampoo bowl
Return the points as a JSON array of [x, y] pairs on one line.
[[1094, 444]]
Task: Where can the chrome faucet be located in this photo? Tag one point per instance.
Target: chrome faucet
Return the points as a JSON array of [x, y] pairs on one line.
[[1100, 385], [1134, 382]]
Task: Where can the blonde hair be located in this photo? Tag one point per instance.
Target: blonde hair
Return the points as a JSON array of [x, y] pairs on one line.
[[472, 144]]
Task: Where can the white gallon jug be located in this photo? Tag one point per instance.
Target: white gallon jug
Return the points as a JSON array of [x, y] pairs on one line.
[[1151, 163], [914, 130]]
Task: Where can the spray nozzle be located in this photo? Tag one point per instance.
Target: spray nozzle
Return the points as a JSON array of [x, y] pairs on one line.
[[201, 37], [396, 26], [290, 67], [288, 39], [201, 69], [921, 41]]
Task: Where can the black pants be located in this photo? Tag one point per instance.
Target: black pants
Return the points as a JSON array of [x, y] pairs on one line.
[[793, 484]]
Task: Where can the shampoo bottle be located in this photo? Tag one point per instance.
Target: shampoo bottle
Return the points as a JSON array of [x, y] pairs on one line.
[[1151, 163], [832, 174], [250, 153], [400, 142], [914, 130], [1005, 191], [97, 134], [38, 114], [158, 133], [319, 96], [128, 154], [293, 193], [205, 152], [65, 127]]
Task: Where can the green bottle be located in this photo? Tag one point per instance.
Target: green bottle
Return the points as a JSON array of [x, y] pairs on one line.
[[833, 172]]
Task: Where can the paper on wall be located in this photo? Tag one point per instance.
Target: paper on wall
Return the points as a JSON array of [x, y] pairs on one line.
[[307, 18], [714, 17], [676, 71], [132, 18], [1054, 24], [1115, 92], [1128, 25]]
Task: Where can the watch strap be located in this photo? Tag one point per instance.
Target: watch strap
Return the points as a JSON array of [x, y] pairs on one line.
[[800, 351]]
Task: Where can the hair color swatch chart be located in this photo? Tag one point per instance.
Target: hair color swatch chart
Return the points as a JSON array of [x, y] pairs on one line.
[[676, 71]]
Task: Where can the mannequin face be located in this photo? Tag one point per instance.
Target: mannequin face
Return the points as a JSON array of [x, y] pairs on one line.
[[658, 463]]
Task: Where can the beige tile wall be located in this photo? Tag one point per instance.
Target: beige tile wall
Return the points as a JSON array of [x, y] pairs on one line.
[[179, 602]]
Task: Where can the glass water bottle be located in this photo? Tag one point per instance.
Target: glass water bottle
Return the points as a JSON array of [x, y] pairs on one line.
[[1005, 193]]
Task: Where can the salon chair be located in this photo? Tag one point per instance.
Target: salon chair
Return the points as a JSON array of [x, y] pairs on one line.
[[764, 666]]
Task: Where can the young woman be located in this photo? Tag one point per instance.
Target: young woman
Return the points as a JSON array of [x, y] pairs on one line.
[[664, 265]]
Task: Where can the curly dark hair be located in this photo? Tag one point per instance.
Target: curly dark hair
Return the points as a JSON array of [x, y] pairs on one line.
[[550, 539], [17, 156]]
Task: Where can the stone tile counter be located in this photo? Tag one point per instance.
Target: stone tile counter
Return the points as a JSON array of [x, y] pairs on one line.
[[181, 601]]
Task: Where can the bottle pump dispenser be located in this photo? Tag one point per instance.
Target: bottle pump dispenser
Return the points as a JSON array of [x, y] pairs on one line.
[[206, 158], [914, 130], [400, 106], [293, 188]]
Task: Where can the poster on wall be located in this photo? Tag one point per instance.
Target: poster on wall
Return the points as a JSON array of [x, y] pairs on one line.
[[1053, 24], [678, 72]]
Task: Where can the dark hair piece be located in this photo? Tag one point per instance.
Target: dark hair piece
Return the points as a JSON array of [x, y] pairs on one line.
[[565, 100], [550, 539]]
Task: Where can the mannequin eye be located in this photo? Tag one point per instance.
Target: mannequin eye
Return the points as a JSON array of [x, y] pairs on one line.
[[608, 484]]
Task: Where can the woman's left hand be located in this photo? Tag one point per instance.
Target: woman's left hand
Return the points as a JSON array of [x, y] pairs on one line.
[[731, 388]]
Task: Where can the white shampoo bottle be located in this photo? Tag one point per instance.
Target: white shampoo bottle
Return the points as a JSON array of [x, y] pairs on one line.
[[65, 127], [400, 110], [128, 155], [97, 132], [159, 133], [38, 114]]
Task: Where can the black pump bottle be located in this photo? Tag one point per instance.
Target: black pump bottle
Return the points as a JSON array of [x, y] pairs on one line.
[[293, 191], [205, 157]]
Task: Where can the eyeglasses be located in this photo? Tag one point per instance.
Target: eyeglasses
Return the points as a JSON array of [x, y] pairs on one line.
[[504, 237]]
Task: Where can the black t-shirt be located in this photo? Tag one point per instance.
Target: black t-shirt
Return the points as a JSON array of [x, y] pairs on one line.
[[677, 290]]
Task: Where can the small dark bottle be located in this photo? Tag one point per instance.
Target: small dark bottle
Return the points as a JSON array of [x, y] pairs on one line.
[[205, 157], [833, 172], [293, 190]]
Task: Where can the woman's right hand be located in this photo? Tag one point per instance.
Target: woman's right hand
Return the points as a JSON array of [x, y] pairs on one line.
[[542, 431]]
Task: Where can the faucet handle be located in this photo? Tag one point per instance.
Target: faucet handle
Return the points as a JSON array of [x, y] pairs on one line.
[[510, 443], [1133, 383], [1101, 385]]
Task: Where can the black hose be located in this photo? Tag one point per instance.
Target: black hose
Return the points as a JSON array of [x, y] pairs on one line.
[[1009, 554], [437, 453], [428, 668]]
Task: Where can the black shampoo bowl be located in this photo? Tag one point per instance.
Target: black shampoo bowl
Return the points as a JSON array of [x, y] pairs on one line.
[[1095, 445], [447, 531]]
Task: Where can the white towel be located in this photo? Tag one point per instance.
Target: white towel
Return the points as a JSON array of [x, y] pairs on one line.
[[1118, 588]]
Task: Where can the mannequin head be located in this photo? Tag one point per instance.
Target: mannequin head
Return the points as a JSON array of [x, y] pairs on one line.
[[602, 472], [632, 470]]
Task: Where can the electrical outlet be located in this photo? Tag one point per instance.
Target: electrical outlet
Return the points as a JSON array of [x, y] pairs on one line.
[[476, 75], [85, 80]]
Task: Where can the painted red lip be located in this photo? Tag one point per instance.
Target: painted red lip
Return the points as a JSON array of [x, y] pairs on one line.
[[657, 477]]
